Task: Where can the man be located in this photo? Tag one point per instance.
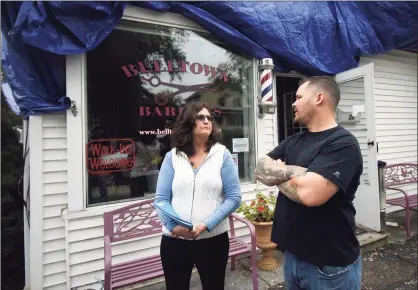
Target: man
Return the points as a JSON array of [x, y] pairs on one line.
[[318, 173]]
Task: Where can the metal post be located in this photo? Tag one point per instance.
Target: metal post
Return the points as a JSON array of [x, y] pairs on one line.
[[382, 194]]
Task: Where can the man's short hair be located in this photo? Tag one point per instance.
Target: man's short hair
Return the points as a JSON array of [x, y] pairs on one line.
[[326, 84]]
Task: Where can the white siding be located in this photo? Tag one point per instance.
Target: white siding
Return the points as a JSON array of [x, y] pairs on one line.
[[54, 177], [395, 88], [269, 133]]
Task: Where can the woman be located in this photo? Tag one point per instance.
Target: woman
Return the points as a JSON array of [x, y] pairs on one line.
[[199, 179]]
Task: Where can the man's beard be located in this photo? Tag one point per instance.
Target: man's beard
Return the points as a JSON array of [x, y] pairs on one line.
[[298, 121], [303, 120]]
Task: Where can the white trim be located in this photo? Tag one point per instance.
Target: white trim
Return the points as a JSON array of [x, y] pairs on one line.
[[371, 120], [100, 210], [401, 53], [36, 202], [367, 73], [26, 175], [75, 80], [257, 124], [76, 91], [77, 125], [352, 74], [275, 116], [369, 217]]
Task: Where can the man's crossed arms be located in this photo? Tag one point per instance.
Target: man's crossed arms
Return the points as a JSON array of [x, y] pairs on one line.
[[301, 186]]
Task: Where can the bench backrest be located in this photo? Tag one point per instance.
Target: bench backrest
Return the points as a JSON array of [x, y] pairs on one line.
[[400, 174], [134, 221]]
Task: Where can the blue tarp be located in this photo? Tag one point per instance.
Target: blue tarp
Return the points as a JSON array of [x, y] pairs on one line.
[[310, 37]]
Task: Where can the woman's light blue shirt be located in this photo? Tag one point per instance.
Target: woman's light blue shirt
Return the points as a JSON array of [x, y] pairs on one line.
[[231, 188]]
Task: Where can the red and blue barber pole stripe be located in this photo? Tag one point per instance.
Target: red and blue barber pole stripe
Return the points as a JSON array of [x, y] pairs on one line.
[[265, 67], [266, 82], [266, 103]]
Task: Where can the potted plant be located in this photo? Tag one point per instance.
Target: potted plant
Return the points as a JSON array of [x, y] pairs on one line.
[[260, 212]]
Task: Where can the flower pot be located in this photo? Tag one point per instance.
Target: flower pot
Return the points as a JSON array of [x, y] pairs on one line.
[[263, 235]]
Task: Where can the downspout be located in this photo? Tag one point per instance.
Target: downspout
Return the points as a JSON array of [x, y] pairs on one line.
[[382, 194]]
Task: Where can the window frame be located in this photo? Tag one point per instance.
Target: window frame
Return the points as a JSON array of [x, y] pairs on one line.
[[76, 81]]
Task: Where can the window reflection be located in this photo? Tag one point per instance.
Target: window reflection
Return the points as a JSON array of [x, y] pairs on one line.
[[138, 80]]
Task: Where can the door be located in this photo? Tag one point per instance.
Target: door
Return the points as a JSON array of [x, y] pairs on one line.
[[290, 126], [356, 86]]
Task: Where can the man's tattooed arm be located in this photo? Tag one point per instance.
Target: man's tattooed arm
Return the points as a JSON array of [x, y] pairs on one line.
[[290, 190], [271, 172]]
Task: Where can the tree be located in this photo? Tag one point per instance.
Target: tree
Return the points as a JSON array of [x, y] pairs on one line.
[[12, 251]]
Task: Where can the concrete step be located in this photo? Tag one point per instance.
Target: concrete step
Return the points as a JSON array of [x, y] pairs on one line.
[[369, 241]]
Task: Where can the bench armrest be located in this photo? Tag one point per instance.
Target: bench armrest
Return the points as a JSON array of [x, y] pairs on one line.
[[250, 227], [404, 193], [107, 262], [397, 189]]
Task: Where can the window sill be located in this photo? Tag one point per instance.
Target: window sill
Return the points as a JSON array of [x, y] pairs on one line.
[[96, 211]]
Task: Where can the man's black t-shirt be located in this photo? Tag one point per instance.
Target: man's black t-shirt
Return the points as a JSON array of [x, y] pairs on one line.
[[323, 235]]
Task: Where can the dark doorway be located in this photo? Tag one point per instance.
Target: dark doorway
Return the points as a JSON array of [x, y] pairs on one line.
[[286, 96]]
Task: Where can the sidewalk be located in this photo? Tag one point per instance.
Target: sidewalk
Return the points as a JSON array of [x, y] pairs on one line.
[[391, 267], [239, 279]]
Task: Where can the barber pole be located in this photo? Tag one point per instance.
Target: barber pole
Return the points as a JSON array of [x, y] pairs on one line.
[[266, 82], [266, 103]]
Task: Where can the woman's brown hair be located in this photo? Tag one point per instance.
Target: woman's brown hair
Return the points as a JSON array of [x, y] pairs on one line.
[[182, 134]]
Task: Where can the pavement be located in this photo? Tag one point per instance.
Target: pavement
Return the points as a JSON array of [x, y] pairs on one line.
[[397, 233], [239, 279], [391, 267]]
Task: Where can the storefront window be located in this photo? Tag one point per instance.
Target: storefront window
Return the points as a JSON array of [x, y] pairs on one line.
[[138, 79]]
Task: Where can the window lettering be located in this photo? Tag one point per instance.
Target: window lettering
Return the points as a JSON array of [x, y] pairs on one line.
[[158, 66], [137, 85]]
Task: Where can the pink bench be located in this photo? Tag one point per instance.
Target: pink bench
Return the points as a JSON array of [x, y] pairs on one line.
[[141, 220], [401, 174]]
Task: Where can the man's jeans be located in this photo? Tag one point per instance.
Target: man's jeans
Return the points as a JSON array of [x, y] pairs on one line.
[[302, 275]]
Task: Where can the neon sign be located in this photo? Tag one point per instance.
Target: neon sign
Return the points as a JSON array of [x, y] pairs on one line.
[[110, 155]]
